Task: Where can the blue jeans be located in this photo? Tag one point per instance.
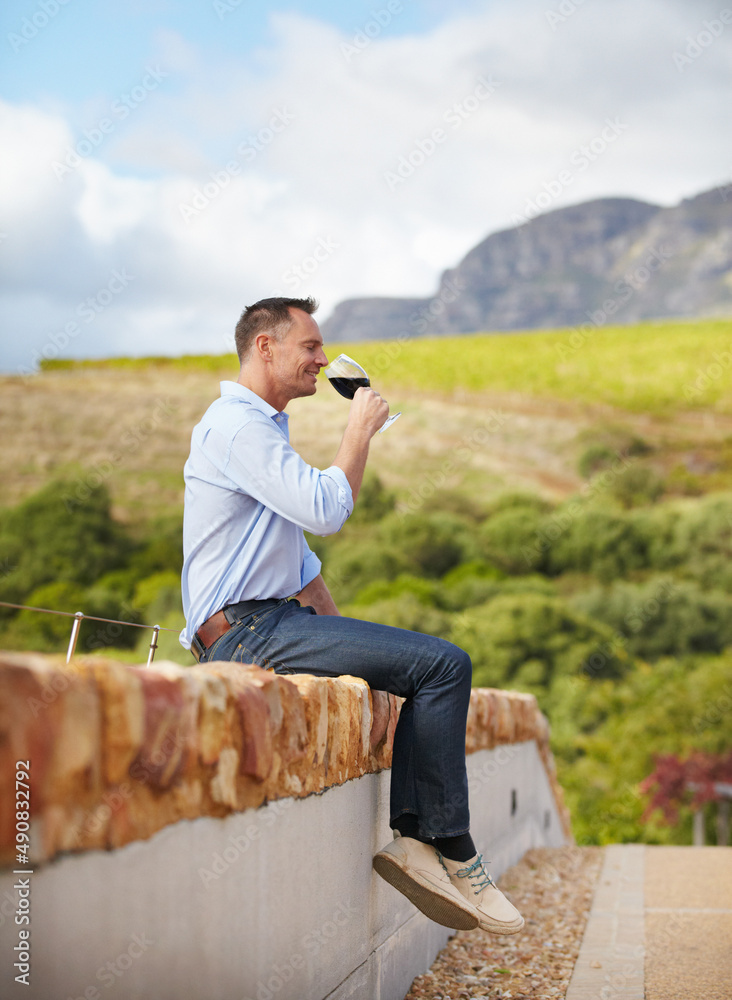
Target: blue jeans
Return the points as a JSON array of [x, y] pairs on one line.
[[429, 778]]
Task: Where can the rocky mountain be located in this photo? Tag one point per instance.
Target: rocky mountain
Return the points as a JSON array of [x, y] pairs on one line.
[[611, 260]]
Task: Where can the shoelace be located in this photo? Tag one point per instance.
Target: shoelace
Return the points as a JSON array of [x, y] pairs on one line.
[[482, 877]]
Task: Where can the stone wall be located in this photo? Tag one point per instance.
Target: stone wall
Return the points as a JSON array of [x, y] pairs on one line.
[[119, 752], [178, 848]]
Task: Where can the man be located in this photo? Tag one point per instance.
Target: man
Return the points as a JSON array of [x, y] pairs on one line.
[[253, 593]]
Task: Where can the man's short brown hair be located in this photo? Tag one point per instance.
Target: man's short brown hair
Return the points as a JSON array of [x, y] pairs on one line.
[[270, 315]]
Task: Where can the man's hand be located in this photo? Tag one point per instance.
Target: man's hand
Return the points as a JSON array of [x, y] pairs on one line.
[[368, 410], [316, 595]]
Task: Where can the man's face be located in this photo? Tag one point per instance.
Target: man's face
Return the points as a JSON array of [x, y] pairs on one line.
[[298, 357]]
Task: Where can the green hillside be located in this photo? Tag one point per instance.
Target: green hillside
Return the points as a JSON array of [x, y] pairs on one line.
[[657, 367]]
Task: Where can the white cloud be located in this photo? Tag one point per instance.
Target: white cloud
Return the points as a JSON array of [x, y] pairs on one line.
[[365, 175], [109, 206]]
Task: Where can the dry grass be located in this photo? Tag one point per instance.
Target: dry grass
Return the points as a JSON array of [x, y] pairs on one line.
[[131, 428]]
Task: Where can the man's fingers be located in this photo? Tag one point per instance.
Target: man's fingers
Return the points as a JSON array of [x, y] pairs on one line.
[[367, 391], [369, 407]]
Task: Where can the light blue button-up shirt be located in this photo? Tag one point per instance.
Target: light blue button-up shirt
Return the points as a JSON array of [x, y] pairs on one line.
[[248, 497]]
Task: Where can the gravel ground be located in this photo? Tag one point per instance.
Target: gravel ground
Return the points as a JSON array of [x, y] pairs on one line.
[[553, 889]]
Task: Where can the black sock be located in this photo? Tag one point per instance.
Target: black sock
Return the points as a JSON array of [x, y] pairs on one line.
[[460, 848], [408, 826]]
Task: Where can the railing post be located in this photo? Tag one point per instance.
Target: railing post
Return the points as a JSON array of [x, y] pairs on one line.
[[74, 634], [76, 626], [153, 644], [723, 822], [698, 827]]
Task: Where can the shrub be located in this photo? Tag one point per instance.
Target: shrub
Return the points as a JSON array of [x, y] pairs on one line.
[[510, 500], [45, 541], [463, 505], [470, 583], [406, 611], [512, 539], [703, 533], [536, 634], [594, 458], [158, 596], [50, 633], [636, 486], [426, 591], [605, 737], [161, 549], [662, 616], [348, 568], [692, 537], [606, 543], [430, 544], [374, 501], [657, 525], [604, 445]]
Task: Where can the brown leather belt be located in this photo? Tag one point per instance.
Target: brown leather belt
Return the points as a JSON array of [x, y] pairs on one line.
[[220, 623]]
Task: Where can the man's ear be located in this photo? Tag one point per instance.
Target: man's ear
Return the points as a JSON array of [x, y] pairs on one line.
[[263, 346]]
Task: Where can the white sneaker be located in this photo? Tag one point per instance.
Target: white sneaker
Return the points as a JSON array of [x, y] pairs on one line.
[[495, 913], [415, 869]]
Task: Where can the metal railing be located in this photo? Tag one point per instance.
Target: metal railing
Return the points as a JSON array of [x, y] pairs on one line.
[[723, 789], [79, 617]]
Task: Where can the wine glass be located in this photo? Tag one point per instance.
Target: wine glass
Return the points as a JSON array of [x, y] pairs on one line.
[[346, 376]]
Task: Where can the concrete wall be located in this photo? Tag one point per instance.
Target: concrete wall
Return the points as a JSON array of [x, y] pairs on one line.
[[270, 901], [279, 901]]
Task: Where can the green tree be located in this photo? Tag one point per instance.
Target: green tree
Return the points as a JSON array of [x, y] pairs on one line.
[[526, 640], [431, 544], [662, 616], [512, 538], [597, 540], [606, 735], [45, 540]]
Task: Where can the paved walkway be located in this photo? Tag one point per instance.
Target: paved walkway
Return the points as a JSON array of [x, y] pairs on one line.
[[660, 927]]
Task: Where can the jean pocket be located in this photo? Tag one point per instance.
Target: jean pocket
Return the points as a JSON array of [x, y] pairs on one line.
[[263, 624], [243, 654]]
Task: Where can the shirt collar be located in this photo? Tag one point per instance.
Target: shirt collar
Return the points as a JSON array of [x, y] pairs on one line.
[[237, 389]]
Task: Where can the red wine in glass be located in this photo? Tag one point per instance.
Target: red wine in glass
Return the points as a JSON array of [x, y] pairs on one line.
[[346, 376], [347, 386]]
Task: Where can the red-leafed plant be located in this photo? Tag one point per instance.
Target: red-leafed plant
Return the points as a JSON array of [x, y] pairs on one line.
[[691, 782]]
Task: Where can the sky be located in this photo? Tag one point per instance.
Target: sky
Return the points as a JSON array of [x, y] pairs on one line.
[[165, 164]]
